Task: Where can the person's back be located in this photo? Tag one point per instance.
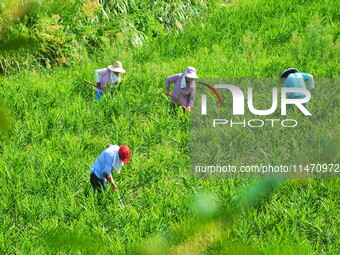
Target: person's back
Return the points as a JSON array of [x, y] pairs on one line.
[[292, 78], [105, 161], [296, 80], [113, 157], [98, 73], [107, 76]]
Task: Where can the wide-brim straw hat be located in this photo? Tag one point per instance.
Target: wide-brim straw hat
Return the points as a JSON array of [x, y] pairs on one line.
[[117, 67]]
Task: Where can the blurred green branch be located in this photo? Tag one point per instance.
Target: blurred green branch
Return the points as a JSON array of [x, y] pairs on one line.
[[13, 14]]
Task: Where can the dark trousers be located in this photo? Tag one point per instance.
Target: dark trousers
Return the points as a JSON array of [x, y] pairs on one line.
[[97, 183]]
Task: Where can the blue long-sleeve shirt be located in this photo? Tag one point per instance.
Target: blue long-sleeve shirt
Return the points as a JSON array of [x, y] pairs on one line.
[[298, 80], [109, 159]]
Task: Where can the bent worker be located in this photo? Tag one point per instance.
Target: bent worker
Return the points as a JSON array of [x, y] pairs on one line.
[[183, 93], [107, 76], [292, 78], [113, 157]]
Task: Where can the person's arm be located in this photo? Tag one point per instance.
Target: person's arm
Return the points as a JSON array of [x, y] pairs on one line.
[[311, 80], [191, 98], [109, 178], [107, 169], [98, 85], [309, 77], [167, 91], [169, 80]]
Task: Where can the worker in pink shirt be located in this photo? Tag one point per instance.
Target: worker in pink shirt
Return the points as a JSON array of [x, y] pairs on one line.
[[106, 76], [183, 93]]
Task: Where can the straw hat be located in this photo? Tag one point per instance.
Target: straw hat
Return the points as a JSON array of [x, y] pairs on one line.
[[117, 67]]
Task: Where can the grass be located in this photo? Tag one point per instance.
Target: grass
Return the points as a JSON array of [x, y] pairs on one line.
[[56, 131]]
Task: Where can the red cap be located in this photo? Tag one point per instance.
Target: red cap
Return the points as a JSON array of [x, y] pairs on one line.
[[124, 153]]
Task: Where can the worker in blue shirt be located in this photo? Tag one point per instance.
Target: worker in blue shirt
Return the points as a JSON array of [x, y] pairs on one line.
[[113, 157], [292, 78]]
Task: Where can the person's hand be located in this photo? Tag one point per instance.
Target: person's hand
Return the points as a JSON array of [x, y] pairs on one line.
[[98, 85], [167, 91], [189, 108], [114, 186]]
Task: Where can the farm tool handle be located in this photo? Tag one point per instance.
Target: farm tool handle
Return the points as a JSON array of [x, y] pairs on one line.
[[120, 201], [88, 82]]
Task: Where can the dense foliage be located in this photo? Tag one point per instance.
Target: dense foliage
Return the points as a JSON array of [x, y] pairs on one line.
[[55, 32]]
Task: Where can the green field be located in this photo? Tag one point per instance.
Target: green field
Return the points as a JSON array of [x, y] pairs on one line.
[[52, 129]]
